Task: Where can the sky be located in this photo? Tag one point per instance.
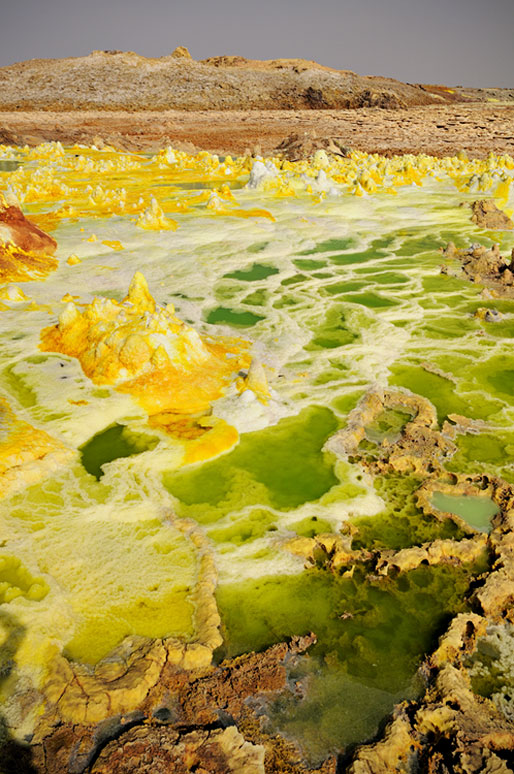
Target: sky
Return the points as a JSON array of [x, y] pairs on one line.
[[455, 42]]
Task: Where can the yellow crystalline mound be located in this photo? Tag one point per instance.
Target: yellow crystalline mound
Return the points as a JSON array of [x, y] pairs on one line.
[[17, 581], [27, 455], [13, 293], [144, 349], [153, 219]]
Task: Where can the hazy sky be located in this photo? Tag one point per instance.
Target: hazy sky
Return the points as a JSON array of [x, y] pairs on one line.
[[468, 42]]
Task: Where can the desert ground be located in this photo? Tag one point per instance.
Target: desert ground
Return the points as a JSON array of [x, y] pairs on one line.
[[475, 128]]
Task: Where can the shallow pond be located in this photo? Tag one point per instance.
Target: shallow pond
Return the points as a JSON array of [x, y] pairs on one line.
[[476, 511]]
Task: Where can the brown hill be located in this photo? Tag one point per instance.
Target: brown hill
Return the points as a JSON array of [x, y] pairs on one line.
[[117, 80]]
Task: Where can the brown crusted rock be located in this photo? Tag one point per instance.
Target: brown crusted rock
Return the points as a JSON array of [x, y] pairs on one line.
[[487, 215], [16, 229], [161, 750], [453, 728], [437, 552], [507, 277], [113, 714], [25, 251], [420, 448], [450, 729], [484, 266], [332, 550], [497, 593], [460, 638]]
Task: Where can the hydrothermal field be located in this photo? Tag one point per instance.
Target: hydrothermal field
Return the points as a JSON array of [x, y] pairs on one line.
[[205, 400]]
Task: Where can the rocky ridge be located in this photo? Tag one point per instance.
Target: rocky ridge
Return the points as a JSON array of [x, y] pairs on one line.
[[117, 80]]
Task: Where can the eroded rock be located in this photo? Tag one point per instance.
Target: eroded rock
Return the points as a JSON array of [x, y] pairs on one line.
[[437, 552], [420, 448], [161, 749], [483, 266], [181, 52], [298, 146], [453, 727], [486, 214]]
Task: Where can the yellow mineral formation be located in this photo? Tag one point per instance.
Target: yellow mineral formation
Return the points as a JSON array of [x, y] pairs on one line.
[[202, 437], [153, 219], [143, 349], [27, 454], [13, 293], [25, 251]]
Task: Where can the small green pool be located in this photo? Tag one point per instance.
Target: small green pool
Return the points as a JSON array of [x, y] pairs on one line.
[[476, 511]]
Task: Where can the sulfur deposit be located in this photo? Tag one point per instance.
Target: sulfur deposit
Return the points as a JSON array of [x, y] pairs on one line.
[[144, 349], [293, 432], [27, 454]]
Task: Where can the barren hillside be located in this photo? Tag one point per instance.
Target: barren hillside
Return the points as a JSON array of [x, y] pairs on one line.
[[116, 80]]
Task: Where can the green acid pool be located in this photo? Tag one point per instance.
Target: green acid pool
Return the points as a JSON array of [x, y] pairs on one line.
[[476, 511]]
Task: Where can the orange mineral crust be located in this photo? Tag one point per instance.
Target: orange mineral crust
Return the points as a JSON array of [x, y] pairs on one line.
[[25, 251], [143, 349]]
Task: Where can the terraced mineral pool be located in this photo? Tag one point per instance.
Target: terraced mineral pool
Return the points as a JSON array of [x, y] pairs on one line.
[[476, 511], [336, 289]]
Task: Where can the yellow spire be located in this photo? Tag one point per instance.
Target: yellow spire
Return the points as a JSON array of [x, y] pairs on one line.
[[139, 294]]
